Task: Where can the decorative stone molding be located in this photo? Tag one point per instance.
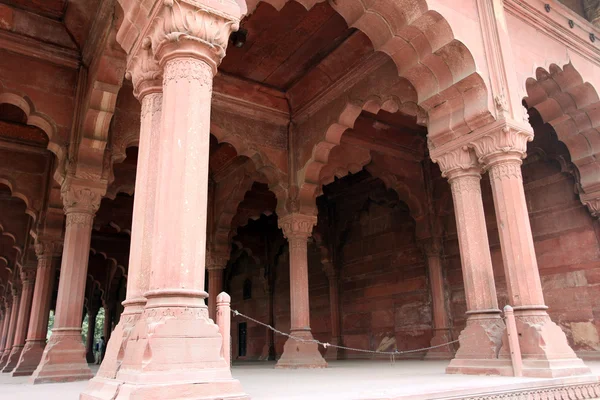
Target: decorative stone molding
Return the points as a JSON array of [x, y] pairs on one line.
[[502, 141], [188, 69], [550, 392], [297, 225], [80, 199], [181, 21], [47, 249], [28, 275], [457, 160], [592, 202], [144, 72]]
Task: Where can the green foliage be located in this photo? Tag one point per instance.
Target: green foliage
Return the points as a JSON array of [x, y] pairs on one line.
[[84, 326]]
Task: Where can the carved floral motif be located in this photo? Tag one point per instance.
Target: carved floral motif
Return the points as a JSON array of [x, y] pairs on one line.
[[297, 225], [188, 69], [80, 200], [506, 170], [144, 71], [180, 21], [460, 159], [216, 261], [466, 184], [47, 249], [503, 141]]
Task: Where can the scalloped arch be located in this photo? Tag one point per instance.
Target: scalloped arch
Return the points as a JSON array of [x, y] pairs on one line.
[[572, 108], [35, 118], [17, 192]]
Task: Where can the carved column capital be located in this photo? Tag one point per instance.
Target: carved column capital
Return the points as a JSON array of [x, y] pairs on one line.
[[296, 226], [456, 162], [144, 72], [28, 275], [47, 248], [216, 261], [81, 200], [185, 28], [329, 269], [16, 289], [432, 247], [503, 142]]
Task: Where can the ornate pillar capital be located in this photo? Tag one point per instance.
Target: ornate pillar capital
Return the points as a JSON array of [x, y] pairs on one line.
[[187, 28], [28, 275], [144, 72], [432, 247], [216, 261], [296, 226], [329, 268], [16, 289], [503, 142], [47, 248], [457, 162], [81, 200]]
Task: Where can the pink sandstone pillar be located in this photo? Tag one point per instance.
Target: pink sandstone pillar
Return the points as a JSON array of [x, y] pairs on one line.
[[90, 354], [544, 346], [297, 228], [64, 355], [333, 353], [2, 321], [216, 265], [12, 325], [441, 325], [6, 323], [48, 253], [28, 282], [481, 339], [174, 350], [147, 82]]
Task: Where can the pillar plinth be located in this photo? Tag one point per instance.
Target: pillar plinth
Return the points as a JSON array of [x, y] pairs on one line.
[[441, 325], [47, 253], [64, 359], [544, 346], [481, 339], [175, 349], [12, 325], [333, 353], [297, 228], [215, 264], [28, 282]]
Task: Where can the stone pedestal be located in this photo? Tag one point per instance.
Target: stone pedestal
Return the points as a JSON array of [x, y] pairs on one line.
[[442, 335], [64, 356], [175, 349], [544, 346], [28, 280], [297, 229], [481, 339], [47, 253], [12, 325]]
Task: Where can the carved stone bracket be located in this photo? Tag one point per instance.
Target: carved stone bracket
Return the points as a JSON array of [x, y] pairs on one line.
[[592, 202], [81, 197], [297, 225], [144, 71]]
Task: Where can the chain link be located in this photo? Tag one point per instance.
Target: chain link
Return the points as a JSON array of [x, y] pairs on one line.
[[326, 345]]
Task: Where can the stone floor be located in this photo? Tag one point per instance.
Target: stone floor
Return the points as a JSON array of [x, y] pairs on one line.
[[348, 380]]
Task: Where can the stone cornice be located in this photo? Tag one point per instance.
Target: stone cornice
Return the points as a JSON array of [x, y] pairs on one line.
[[554, 24]]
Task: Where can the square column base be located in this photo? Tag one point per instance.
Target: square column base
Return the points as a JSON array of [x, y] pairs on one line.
[[30, 358], [301, 354], [4, 358], [13, 359], [445, 351], [63, 359]]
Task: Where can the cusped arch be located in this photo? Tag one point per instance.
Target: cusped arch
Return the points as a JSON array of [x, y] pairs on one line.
[[571, 107], [35, 118], [21, 193]]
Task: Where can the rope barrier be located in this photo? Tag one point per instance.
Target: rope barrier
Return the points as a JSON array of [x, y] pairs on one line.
[[325, 345]]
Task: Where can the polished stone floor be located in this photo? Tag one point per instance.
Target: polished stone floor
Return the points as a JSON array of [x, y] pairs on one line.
[[347, 380]]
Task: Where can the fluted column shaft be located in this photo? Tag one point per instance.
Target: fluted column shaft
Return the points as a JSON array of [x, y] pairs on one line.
[[12, 325], [28, 282], [297, 228], [64, 355], [47, 253]]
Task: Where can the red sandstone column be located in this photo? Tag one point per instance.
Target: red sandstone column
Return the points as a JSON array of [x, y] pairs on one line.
[[174, 350], [2, 321], [28, 280], [297, 228], [544, 346], [64, 355], [333, 353], [6, 323], [147, 82], [47, 253], [12, 325], [90, 354], [481, 339], [433, 251], [216, 264]]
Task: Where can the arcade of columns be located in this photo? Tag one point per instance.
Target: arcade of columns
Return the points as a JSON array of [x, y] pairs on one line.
[[166, 342]]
